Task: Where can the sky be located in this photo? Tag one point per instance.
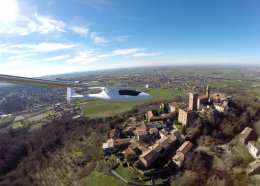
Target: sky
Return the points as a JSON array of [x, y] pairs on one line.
[[60, 36]]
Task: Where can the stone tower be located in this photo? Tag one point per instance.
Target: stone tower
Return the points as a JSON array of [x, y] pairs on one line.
[[193, 98], [207, 92]]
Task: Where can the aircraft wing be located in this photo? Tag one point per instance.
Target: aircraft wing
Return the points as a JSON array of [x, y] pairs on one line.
[[40, 82]]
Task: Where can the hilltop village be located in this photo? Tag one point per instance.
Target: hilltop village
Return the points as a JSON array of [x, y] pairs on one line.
[[160, 142]]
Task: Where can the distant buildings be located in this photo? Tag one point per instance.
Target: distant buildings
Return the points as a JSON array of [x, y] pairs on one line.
[[153, 116], [204, 99], [172, 107]]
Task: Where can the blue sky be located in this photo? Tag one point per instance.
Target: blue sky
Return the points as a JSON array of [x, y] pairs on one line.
[[59, 36]]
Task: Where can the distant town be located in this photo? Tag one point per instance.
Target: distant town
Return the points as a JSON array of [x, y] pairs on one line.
[[202, 126]]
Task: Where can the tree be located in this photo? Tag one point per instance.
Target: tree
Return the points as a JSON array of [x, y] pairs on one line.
[[112, 161], [131, 158]]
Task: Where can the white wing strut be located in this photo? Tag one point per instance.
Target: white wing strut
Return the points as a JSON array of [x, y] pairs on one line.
[[40, 82]]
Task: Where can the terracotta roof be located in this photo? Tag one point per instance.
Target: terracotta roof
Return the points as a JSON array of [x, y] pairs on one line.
[[149, 114], [153, 131], [203, 97], [141, 132], [167, 141], [246, 132], [173, 104], [133, 146], [147, 155], [176, 132], [177, 157], [157, 147], [254, 165], [185, 147], [122, 141], [158, 118], [164, 132]]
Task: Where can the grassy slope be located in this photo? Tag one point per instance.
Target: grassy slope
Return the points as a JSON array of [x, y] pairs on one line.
[[16, 125], [99, 179], [257, 91], [106, 108], [6, 120]]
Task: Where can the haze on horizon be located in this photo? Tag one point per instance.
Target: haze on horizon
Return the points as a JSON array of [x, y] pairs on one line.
[[53, 37]]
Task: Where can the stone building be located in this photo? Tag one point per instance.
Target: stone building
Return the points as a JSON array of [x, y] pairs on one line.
[[142, 135], [253, 168], [182, 152], [247, 135], [193, 98], [253, 149], [171, 107], [204, 99], [186, 117]]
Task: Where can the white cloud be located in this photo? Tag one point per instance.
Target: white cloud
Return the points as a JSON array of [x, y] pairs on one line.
[[57, 58], [29, 48], [84, 57], [97, 39], [144, 54], [49, 47], [127, 51], [121, 52], [83, 31], [24, 26], [47, 24], [89, 56], [36, 23], [16, 64], [19, 57], [122, 38]]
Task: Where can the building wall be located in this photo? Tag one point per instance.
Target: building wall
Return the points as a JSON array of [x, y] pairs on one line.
[[186, 118], [148, 163], [207, 91], [253, 151], [193, 98], [182, 118], [245, 139]]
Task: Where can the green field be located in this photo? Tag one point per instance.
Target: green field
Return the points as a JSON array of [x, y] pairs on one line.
[[257, 91], [166, 94], [6, 120], [99, 179], [16, 125], [126, 173], [29, 115], [129, 174], [107, 108]]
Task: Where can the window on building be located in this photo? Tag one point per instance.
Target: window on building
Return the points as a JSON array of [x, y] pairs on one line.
[[125, 92]]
